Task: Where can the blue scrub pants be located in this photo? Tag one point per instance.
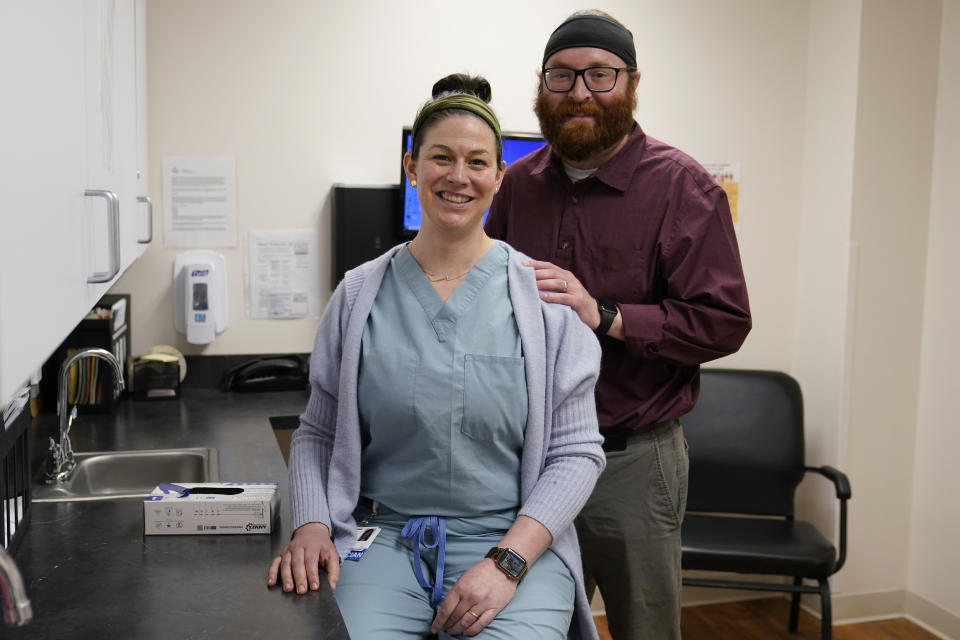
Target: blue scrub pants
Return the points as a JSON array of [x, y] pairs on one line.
[[380, 598]]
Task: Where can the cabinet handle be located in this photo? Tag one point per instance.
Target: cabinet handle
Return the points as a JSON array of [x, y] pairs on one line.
[[146, 201], [113, 208]]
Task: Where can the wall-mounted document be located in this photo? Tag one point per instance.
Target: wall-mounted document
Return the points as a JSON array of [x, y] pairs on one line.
[[283, 278], [727, 175], [199, 201]]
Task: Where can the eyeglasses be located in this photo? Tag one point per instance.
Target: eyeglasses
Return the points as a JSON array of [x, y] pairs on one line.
[[596, 79]]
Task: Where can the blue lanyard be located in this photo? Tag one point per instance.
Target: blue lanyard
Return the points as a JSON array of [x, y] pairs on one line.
[[416, 529]]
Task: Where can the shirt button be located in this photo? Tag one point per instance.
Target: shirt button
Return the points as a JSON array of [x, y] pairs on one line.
[[574, 199], [564, 245]]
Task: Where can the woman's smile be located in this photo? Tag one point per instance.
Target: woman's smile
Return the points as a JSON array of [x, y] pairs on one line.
[[454, 198]]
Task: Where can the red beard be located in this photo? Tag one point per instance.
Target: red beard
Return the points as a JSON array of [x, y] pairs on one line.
[[578, 141]]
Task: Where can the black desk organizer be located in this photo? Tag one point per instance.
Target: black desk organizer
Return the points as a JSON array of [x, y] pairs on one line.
[[112, 334], [15, 480]]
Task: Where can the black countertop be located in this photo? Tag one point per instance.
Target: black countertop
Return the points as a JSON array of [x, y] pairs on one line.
[[91, 573]]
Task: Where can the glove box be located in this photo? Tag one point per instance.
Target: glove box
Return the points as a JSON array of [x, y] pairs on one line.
[[211, 508]]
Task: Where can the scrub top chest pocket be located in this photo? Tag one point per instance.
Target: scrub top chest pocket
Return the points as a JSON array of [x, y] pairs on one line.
[[494, 398]]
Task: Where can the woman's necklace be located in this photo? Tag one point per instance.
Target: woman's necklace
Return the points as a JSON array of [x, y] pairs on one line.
[[434, 278]]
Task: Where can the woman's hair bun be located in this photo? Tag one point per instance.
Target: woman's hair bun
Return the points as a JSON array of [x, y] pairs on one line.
[[463, 83]]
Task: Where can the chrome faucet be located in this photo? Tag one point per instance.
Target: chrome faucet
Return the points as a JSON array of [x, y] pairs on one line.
[[61, 462], [16, 605]]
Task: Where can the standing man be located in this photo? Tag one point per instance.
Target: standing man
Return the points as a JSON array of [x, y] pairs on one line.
[[638, 239]]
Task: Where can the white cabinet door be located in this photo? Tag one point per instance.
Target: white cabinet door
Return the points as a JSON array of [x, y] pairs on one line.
[[69, 127], [144, 204], [111, 107], [43, 277]]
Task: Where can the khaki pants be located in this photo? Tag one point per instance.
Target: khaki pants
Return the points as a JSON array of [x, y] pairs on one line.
[[629, 534]]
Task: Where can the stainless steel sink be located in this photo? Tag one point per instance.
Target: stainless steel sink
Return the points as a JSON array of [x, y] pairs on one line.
[[112, 475]]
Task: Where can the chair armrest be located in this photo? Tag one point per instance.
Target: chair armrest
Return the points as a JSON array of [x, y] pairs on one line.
[[842, 483], [839, 479]]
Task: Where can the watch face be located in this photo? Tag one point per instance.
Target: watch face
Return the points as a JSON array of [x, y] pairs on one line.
[[512, 563]]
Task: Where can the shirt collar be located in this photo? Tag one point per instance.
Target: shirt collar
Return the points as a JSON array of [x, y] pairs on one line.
[[612, 173]]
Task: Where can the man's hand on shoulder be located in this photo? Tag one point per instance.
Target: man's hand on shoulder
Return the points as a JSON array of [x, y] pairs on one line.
[[561, 286]]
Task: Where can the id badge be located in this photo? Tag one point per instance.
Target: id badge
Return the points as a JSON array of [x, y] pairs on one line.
[[365, 538]]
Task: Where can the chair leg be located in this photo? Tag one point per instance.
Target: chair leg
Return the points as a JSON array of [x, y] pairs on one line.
[[795, 605], [826, 617]]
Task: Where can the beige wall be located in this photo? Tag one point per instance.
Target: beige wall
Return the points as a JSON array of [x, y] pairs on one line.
[[891, 197], [306, 94], [824, 252], [827, 104], [935, 517]]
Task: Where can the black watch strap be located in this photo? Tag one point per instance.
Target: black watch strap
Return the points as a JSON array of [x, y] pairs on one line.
[[509, 561], [608, 313]]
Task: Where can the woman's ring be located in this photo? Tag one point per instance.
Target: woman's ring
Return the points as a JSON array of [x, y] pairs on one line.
[[564, 286], [473, 614]]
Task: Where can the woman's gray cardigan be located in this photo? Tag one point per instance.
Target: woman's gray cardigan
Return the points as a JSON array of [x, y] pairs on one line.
[[562, 456]]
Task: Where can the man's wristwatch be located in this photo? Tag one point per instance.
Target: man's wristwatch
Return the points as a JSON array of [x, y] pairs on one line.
[[508, 561], [608, 313]]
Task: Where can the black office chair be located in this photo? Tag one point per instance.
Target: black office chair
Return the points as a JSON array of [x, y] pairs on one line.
[[746, 460]]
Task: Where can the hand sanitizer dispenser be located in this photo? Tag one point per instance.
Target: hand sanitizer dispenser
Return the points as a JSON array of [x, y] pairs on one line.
[[200, 295]]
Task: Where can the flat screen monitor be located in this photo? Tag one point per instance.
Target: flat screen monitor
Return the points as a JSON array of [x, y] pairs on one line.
[[515, 146]]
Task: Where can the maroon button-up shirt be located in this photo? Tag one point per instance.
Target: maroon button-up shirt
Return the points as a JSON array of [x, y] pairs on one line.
[[652, 231]]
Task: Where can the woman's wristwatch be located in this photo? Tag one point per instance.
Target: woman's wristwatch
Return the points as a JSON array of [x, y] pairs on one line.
[[508, 561], [608, 313]]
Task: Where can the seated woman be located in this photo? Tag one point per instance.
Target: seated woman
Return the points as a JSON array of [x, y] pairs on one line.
[[453, 409]]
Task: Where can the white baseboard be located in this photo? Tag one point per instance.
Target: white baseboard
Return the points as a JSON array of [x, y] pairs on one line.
[[932, 617], [881, 605], [860, 607], [847, 608]]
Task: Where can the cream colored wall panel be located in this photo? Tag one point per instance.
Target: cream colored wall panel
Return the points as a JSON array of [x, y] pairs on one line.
[[824, 256], [891, 196], [934, 557], [306, 94]]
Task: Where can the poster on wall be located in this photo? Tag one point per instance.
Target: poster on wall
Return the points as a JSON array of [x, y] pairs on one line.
[[727, 175], [283, 279], [199, 201]]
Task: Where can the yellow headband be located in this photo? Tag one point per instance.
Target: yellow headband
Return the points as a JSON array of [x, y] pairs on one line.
[[464, 101]]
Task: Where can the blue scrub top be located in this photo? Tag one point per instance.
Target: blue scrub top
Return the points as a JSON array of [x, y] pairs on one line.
[[442, 393]]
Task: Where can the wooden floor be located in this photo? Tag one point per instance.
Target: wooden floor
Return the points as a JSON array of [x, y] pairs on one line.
[[766, 619]]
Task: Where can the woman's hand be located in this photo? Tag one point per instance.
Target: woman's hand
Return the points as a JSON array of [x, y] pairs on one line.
[[474, 600], [300, 561], [483, 590]]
